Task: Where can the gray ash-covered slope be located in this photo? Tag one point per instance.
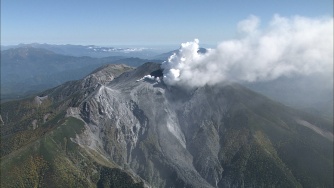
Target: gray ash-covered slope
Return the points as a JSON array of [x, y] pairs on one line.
[[213, 136]]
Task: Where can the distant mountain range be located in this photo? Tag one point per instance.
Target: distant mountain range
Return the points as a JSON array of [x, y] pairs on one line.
[[91, 50], [26, 70], [114, 128]]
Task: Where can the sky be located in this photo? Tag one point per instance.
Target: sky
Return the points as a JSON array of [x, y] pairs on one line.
[[140, 22]]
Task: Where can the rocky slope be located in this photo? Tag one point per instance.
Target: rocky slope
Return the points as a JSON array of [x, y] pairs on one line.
[[163, 136]]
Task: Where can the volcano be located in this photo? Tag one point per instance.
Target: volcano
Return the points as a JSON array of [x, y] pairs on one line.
[[115, 129]]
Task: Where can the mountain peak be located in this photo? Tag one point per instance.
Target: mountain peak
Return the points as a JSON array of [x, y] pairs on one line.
[[26, 52], [211, 136]]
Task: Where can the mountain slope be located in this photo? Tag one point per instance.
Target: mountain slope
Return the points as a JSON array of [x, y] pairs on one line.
[[29, 70], [37, 151], [319, 89], [163, 136]]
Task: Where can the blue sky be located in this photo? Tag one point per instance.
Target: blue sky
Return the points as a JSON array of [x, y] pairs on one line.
[[140, 22]]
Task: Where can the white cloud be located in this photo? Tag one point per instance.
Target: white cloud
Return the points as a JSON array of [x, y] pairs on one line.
[[287, 46], [149, 77]]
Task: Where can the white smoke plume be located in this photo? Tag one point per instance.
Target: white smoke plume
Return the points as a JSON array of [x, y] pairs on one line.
[[287, 46]]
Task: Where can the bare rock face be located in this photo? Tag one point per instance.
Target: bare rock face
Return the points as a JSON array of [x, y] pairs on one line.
[[137, 126], [104, 75], [39, 100], [221, 136]]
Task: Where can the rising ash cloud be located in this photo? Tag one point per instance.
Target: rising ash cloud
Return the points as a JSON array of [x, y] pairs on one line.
[[286, 46]]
